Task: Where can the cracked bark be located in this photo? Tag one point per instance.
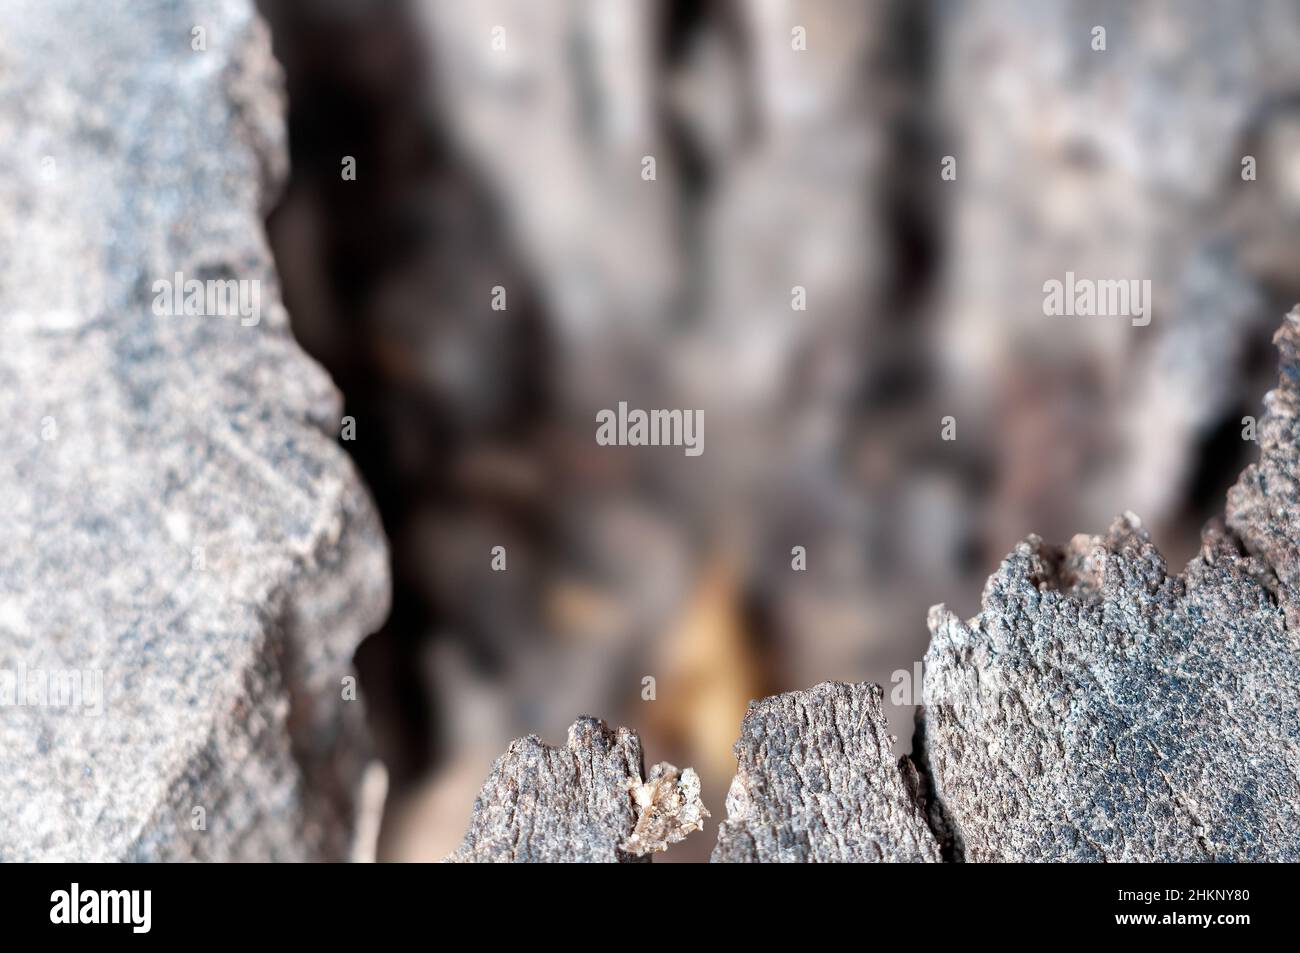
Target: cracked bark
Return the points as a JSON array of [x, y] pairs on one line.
[[583, 802], [817, 782]]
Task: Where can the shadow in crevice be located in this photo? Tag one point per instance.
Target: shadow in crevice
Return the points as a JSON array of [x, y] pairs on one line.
[[388, 275]]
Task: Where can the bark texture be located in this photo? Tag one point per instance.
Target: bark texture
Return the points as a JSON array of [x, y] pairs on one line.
[[582, 803], [817, 782], [1099, 708], [179, 523]]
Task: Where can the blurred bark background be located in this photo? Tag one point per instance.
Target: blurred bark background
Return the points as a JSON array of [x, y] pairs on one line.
[[501, 143]]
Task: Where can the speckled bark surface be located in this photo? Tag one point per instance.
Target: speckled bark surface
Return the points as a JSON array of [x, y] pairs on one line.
[[575, 803], [1099, 708], [817, 782], [178, 520]]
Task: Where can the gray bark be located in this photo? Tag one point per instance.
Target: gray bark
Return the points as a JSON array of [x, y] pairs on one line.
[[1099, 708], [584, 802], [179, 524], [817, 782]]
